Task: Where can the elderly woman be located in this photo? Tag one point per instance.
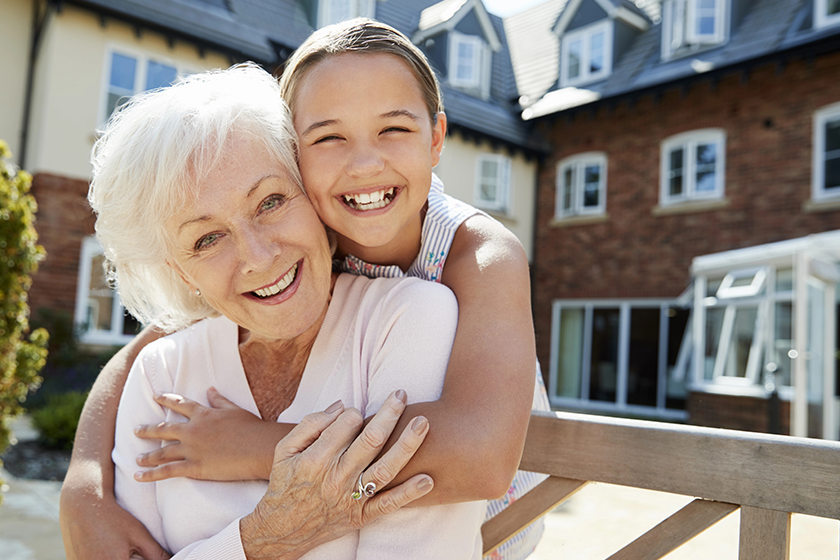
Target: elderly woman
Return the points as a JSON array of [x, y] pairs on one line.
[[201, 213]]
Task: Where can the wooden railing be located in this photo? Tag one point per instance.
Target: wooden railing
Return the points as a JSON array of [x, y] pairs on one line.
[[767, 477]]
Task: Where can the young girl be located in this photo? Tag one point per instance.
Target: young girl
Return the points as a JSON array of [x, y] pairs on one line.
[[368, 112]]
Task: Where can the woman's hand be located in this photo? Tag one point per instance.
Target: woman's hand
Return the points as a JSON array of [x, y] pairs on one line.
[[316, 470], [222, 442]]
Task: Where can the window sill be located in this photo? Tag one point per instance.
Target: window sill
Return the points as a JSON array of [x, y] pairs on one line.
[[690, 207], [826, 205], [578, 220]]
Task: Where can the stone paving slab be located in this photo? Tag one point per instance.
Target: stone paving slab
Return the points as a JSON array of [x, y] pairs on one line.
[[29, 528]]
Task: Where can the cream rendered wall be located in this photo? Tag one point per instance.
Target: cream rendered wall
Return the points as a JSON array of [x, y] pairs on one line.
[[69, 93], [15, 32], [458, 168]]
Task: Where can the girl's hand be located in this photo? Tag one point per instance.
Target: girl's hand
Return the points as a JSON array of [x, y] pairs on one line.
[[316, 470], [222, 442]]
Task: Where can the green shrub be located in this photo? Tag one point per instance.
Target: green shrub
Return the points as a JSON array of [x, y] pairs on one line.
[[57, 420], [21, 357]]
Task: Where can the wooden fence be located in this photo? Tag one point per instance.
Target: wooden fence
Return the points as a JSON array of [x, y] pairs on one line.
[[768, 477]]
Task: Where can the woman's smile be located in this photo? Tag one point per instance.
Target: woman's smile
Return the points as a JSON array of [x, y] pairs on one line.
[[284, 287]]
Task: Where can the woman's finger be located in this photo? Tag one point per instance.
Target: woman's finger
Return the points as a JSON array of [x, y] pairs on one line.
[[368, 445], [216, 399], [385, 469], [395, 498], [307, 431]]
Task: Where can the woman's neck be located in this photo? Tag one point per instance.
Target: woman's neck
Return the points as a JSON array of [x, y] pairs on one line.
[[274, 368]]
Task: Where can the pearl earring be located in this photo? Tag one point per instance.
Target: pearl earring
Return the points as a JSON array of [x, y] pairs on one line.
[[198, 292]]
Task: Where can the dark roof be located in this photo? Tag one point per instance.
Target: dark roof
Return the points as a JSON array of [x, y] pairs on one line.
[[266, 31], [770, 30]]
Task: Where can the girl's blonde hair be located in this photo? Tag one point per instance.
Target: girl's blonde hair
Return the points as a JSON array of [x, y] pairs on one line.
[[361, 35], [147, 164]]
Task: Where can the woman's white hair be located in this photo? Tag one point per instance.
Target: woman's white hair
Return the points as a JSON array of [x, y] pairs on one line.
[[147, 163]]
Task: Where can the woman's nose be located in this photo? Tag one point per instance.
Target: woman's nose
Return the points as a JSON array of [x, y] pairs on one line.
[[365, 161], [256, 252]]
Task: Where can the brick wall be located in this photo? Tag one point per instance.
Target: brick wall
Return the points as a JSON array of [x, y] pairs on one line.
[[767, 118], [63, 220]]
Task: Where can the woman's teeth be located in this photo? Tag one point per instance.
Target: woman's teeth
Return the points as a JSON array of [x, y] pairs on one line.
[[370, 201], [281, 285]]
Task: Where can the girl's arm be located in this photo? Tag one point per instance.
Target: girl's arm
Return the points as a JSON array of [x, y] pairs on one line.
[[481, 417]]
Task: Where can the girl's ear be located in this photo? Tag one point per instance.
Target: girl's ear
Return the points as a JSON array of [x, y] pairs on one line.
[[438, 136]]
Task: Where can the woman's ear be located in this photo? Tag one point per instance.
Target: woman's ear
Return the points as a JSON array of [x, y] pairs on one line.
[[438, 136], [179, 271]]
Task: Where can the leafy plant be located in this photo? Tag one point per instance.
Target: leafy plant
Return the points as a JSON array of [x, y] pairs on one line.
[[58, 419], [21, 356]]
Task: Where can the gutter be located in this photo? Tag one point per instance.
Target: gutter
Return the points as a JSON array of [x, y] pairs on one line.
[[39, 22]]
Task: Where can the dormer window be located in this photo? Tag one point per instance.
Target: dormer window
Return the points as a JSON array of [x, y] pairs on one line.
[[827, 13], [587, 54], [688, 25], [469, 62], [334, 11]]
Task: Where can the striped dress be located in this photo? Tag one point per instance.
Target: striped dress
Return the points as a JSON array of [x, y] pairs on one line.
[[443, 217]]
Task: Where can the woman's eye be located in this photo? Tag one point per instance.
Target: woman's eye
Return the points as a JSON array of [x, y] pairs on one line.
[[207, 241], [272, 202]]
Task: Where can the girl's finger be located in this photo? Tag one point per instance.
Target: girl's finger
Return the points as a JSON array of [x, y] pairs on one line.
[[167, 431], [216, 399], [182, 405]]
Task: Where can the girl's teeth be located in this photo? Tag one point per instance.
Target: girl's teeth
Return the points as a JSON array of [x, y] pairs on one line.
[[369, 201], [279, 286]]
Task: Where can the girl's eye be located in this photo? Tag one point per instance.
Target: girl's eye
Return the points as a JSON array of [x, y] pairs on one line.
[[207, 241], [272, 202], [396, 129], [327, 139]]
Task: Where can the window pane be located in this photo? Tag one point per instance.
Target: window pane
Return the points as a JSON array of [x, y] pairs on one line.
[[596, 53], [603, 371], [706, 164], [574, 59], [592, 182], [131, 326], [832, 174], [832, 154], [675, 173], [784, 279], [675, 390], [741, 342], [465, 61], [570, 353], [643, 362], [123, 69], [116, 100], [100, 297], [782, 342], [714, 322], [832, 134], [705, 17], [568, 186], [160, 75], [833, 7]]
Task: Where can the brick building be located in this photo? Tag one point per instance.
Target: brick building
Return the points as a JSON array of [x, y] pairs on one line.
[[678, 131]]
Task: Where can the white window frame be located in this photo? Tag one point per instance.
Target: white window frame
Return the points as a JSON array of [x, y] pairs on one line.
[[502, 201], [818, 191], [140, 73], [579, 162], [480, 62], [114, 336], [358, 8], [679, 18], [821, 16], [689, 141], [584, 35], [625, 307]]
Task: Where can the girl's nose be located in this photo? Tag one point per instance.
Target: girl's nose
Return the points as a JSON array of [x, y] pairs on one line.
[[365, 161]]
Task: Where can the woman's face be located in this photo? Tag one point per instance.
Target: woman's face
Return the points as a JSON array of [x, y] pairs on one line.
[[252, 243]]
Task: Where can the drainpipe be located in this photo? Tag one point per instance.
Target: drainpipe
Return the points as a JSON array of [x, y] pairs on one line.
[[40, 16]]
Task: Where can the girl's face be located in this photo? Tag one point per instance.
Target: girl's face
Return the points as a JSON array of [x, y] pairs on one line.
[[252, 243], [367, 149]]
